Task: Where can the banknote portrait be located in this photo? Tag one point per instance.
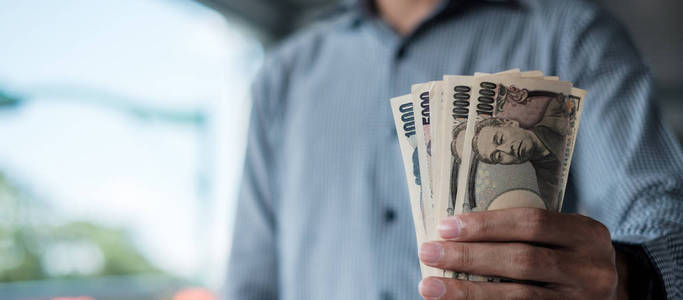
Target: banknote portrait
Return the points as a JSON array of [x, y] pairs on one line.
[[529, 130]]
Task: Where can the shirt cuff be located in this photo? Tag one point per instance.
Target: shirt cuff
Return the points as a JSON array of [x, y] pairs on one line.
[[644, 279]]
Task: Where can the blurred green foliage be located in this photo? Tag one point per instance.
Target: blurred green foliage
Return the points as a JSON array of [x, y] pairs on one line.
[[29, 228], [8, 101]]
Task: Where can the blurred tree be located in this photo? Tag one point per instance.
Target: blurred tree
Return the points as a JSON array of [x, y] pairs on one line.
[[7, 101], [33, 247]]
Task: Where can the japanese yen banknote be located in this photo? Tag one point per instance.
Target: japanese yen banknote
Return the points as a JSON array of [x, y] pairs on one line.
[[485, 142]]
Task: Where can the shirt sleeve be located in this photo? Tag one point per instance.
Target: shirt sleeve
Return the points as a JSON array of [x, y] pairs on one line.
[[627, 168], [253, 267]]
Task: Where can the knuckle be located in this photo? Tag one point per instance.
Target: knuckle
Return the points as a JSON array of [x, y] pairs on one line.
[[601, 283], [606, 282], [602, 231], [552, 262], [467, 292], [597, 229], [525, 259], [460, 290], [522, 293], [535, 219], [536, 215], [479, 227], [462, 256]]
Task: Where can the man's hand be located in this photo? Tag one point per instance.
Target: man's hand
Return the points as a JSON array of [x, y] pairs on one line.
[[572, 255]]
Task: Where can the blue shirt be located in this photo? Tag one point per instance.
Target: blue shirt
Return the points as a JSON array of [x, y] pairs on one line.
[[323, 210]]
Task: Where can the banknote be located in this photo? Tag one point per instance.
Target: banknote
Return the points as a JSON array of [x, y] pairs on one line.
[[527, 117], [456, 92], [518, 144], [435, 115], [404, 119], [485, 142], [456, 95], [421, 100], [456, 99]]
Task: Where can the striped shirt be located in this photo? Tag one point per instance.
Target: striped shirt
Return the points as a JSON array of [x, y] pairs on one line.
[[323, 210]]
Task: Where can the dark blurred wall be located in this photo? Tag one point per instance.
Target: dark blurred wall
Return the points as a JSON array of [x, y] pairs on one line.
[[657, 30]]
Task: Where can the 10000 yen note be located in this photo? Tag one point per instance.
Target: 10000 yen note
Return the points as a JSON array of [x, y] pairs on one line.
[[460, 104], [518, 144], [456, 101], [456, 98], [456, 146], [455, 94], [404, 120]]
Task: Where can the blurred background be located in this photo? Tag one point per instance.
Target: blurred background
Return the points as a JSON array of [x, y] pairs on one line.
[[122, 133]]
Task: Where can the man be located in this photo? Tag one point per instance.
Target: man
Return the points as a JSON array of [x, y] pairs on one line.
[[324, 211]]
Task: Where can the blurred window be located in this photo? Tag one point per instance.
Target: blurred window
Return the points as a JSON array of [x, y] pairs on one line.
[[122, 126]]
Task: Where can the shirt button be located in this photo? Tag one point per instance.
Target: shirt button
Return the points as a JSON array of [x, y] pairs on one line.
[[401, 52], [389, 215], [384, 295]]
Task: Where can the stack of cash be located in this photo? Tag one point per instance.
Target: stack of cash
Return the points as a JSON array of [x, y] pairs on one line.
[[485, 142]]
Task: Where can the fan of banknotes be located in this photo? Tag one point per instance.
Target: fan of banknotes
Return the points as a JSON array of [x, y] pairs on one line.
[[485, 142]]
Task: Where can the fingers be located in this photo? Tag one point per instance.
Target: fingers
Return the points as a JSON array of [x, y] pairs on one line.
[[524, 225], [444, 288], [508, 260]]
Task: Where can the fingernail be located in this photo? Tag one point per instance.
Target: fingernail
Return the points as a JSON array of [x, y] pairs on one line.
[[432, 288], [450, 228], [430, 252]]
